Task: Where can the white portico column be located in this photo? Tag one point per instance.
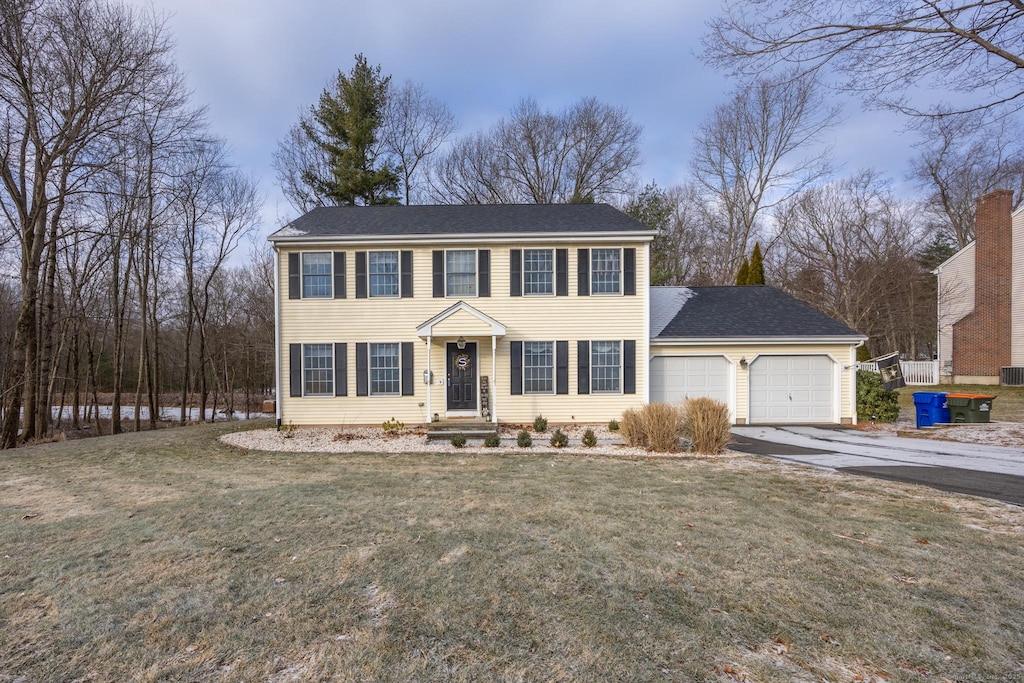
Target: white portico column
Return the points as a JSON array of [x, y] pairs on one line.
[[494, 378], [430, 384]]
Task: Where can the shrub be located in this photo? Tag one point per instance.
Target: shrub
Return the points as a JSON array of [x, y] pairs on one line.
[[706, 424], [874, 402], [662, 425], [632, 429], [392, 427], [459, 440], [540, 424], [589, 439], [559, 439], [492, 440], [613, 425], [524, 440]]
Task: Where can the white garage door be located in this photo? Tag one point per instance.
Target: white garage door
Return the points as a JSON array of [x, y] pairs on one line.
[[791, 389], [674, 378]]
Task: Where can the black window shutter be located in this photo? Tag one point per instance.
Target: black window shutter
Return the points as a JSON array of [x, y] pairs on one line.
[[295, 369], [408, 383], [516, 354], [339, 276], [438, 273], [294, 277], [360, 274], [629, 366], [483, 260], [515, 275], [629, 271], [561, 367], [341, 369], [362, 369], [561, 272], [583, 272], [583, 365], [405, 287]]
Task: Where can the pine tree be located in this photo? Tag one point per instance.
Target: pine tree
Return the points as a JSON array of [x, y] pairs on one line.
[[756, 274], [744, 273], [345, 125]]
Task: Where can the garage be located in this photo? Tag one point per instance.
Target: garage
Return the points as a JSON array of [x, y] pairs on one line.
[[674, 378], [797, 388]]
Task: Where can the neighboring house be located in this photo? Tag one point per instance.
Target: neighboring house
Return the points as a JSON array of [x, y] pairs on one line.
[[422, 313], [767, 355], [981, 299]]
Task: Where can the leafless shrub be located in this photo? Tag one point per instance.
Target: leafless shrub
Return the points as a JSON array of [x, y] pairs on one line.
[[705, 422]]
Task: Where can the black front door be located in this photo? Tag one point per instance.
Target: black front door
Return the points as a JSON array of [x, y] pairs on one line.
[[462, 377]]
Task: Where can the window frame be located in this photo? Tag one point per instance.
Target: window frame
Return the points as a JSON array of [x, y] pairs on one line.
[[621, 288], [370, 370], [329, 275], [551, 273], [551, 367], [397, 274], [476, 275], [329, 381], [593, 365]]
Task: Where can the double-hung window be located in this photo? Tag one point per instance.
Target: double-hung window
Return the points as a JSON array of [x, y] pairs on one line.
[[460, 272], [538, 367], [383, 267], [606, 367], [606, 271], [316, 275], [385, 372], [538, 271], [317, 370]]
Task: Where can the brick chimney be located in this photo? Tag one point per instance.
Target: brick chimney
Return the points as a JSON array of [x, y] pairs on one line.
[[981, 340]]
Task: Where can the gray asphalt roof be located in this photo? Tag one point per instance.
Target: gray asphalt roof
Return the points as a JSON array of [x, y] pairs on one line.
[[383, 221], [758, 311]]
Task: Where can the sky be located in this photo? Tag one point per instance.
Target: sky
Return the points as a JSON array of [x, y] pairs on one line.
[[256, 63]]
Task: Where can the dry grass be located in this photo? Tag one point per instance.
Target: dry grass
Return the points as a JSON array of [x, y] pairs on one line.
[[168, 556], [631, 427], [656, 427], [706, 424]]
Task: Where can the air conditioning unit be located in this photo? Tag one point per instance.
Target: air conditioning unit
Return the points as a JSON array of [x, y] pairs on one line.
[[1011, 376]]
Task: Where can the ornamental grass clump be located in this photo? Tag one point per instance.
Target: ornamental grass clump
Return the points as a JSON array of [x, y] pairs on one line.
[[632, 429], [662, 425], [706, 424]]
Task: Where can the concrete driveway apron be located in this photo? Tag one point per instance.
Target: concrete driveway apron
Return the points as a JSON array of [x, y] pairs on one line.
[[982, 470]]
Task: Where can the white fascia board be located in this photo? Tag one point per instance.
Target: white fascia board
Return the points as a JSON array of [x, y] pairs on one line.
[[938, 268], [732, 341], [537, 237]]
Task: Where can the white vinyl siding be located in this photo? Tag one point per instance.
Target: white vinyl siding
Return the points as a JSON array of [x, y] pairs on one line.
[[383, 267], [385, 372], [317, 369], [605, 367], [316, 275], [460, 272], [538, 367], [538, 271], [605, 271]]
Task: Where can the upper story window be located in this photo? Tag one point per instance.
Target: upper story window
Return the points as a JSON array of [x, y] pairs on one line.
[[606, 271], [383, 267], [538, 271], [317, 370], [605, 367], [316, 275], [460, 272]]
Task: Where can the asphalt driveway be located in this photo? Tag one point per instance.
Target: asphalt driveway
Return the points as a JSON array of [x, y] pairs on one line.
[[980, 470]]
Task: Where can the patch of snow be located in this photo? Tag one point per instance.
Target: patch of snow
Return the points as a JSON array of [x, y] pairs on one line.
[[289, 231]]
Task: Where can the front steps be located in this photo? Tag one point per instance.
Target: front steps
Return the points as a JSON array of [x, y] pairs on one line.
[[471, 429]]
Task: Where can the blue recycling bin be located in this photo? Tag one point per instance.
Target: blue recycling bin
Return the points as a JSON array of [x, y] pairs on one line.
[[931, 408]]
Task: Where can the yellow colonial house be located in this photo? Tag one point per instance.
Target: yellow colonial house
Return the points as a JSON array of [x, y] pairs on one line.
[[507, 312]]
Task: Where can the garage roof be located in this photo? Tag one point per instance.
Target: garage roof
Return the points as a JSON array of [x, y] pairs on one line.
[[744, 312]]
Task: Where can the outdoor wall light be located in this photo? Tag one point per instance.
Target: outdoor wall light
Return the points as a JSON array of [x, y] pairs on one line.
[[743, 362], [461, 343]]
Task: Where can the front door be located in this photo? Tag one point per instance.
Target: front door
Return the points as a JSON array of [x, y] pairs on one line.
[[462, 377]]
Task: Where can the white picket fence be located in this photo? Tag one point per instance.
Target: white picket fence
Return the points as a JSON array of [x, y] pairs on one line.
[[915, 372]]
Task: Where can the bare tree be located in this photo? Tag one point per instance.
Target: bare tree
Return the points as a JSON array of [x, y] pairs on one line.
[[963, 157], [586, 153], [882, 49], [415, 127], [754, 152], [677, 252], [297, 158]]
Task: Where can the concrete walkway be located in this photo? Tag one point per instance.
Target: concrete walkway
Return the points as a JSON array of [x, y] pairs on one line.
[[989, 471]]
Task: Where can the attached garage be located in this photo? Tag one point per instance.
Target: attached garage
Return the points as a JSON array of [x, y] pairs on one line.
[[795, 388], [768, 356], [674, 378]]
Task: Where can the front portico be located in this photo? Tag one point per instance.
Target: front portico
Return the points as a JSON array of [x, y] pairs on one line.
[[462, 330]]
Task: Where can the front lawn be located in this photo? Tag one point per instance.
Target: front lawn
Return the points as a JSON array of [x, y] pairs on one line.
[[168, 556]]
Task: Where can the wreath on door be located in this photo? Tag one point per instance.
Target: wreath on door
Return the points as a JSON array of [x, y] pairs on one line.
[[462, 362]]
